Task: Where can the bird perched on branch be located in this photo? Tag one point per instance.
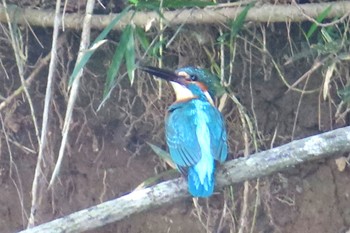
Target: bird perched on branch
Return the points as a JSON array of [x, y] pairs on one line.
[[195, 129]]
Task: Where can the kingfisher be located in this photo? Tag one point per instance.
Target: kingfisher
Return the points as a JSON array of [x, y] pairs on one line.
[[194, 128]]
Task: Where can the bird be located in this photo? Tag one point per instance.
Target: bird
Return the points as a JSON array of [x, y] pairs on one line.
[[194, 128]]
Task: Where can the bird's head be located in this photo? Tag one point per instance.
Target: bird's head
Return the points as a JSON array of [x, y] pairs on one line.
[[187, 81]]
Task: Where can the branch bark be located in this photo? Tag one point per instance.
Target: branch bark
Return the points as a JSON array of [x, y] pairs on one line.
[[209, 15], [260, 164]]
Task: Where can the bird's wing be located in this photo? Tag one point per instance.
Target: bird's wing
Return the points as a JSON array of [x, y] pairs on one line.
[[217, 134], [181, 135]]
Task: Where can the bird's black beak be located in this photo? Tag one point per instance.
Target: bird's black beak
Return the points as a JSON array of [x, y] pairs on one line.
[[162, 73]]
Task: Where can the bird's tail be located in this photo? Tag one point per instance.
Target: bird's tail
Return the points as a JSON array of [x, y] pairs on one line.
[[198, 188]]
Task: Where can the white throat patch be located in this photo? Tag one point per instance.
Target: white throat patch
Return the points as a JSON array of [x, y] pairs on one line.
[[182, 92]]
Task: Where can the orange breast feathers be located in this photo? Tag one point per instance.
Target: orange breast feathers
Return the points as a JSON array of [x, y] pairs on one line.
[[204, 88]]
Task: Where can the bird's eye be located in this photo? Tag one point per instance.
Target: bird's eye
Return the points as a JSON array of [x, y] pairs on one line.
[[193, 77]]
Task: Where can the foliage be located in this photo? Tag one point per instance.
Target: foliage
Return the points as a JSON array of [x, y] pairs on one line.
[[162, 154], [126, 46], [172, 4], [319, 19], [96, 44], [330, 50]]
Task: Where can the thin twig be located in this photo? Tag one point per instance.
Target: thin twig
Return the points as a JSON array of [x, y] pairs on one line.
[[22, 147], [298, 107], [39, 181], [315, 66], [84, 43], [19, 187], [42, 63], [20, 65]]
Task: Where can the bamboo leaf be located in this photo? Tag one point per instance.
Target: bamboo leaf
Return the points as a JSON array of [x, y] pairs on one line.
[[238, 23], [154, 180], [142, 38], [162, 154], [154, 51], [174, 4], [148, 5], [95, 46], [117, 60], [185, 3], [319, 19], [88, 53], [326, 37], [130, 56], [345, 94]]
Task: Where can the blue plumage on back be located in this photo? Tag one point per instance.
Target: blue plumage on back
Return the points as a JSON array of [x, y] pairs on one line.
[[196, 136], [195, 130]]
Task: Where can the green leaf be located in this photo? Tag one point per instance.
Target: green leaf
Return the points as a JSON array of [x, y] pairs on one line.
[[117, 59], [345, 94], [112, 24], [305, 52], [238, 23], [319, 19], [154, 51], [88, 53], [162, 154], [158, 178], [174, 4], [149, 5], [142, 38], [130, 56], [327, 48], [186, 3], [325, 35], [222, 39]]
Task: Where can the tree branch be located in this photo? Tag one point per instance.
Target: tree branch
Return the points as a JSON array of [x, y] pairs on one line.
[[209, 15], [257, 165]]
